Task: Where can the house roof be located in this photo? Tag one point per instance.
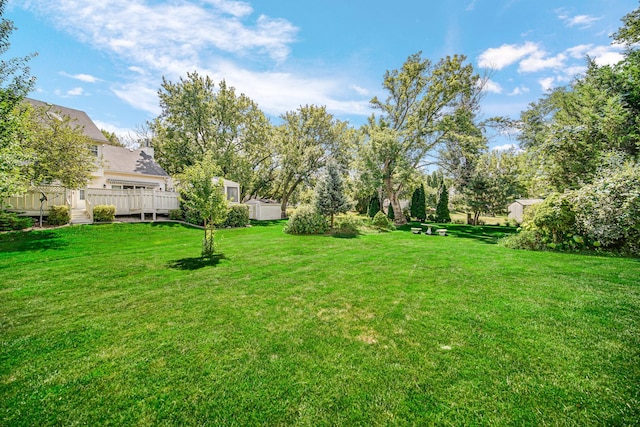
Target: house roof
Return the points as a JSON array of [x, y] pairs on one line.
[[527, 202], [127, 160], [79, 118]]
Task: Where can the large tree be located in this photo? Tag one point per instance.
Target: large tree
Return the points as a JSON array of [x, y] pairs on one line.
[[61, 150], [307, 140], [412, 121], [570, 132], [494, 183], [15, 84], [199, 120], [567, 132]]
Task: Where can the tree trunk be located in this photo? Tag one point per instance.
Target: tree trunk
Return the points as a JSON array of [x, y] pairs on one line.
[[393, 199], [476, 218]]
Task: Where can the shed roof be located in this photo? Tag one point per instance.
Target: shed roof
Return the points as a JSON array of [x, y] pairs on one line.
[[527, 202]]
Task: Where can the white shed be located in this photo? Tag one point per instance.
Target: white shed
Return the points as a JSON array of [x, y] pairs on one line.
[[264, 210], [517, 208]]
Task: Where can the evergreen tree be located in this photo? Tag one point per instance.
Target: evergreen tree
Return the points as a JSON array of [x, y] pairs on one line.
[[390, 213], [421, 209], [442, 209], [415, 200], [374, 206], [330, 197]]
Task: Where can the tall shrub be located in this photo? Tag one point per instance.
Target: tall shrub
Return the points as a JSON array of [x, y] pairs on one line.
[[374, 206], [306, 220], [608, 210], [555, 217], [442, 208], [330, 197], [390, 213], [421, 205], [238, 216]]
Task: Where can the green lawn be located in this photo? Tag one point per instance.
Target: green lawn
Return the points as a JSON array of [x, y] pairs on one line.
[[123, 324]]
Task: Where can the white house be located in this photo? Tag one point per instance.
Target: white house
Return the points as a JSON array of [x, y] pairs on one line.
[[518, 207], [129, 179]]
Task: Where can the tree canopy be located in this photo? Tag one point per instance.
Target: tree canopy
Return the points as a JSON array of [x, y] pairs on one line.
[[414, 119], [199, 120], [15, 84]]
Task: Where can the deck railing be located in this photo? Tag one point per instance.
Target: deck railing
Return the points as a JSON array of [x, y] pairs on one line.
[[127, 202]]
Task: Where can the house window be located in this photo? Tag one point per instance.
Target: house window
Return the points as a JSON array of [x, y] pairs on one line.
[[81, 194], [116, 187], [232, 194], [94, 150]]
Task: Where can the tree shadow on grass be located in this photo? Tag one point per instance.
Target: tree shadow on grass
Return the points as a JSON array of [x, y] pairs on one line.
[[483, 233], [21, 241], [196, 263]]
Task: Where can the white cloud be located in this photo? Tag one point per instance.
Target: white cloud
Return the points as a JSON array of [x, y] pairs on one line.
[[139, 95], [505, 147], [156, 39], [471, 6], [499, 57], [235, 8], [492, 87], [138, 70], [76, 91], [582, 21], [87, 78], [603, 55], [538, 61], [177, 29], [360, 90], [546, 83], [519, 91], [121, 133]]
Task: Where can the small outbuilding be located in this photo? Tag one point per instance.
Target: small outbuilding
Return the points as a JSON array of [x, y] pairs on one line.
[[518, 207], [263, 209]]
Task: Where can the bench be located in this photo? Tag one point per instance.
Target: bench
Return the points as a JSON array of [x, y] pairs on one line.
[[442, 231], [416, 230]]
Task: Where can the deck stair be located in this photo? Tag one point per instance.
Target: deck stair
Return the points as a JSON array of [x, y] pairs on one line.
[[80, 216]]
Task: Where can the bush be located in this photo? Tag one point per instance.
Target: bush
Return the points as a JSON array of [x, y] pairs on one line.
[[347, 225], [608, 210], [381, 222], [238, 216], [59, 215], [193, 217], [525, 239], [554, 217], [103, 213], [176, 215], [306, 220], [11, 221]]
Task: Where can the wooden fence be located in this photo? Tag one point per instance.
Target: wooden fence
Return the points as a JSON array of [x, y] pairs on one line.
[[127, 202], [43, 197]]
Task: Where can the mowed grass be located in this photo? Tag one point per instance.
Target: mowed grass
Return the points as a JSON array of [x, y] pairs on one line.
[[123, 324]]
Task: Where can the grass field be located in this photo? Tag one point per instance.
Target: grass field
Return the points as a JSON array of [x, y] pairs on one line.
[[123, 324]]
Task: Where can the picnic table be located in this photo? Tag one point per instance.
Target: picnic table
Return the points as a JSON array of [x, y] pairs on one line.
[[440, 231]]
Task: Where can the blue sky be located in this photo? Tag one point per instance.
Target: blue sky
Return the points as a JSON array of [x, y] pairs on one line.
[[108, 57]]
